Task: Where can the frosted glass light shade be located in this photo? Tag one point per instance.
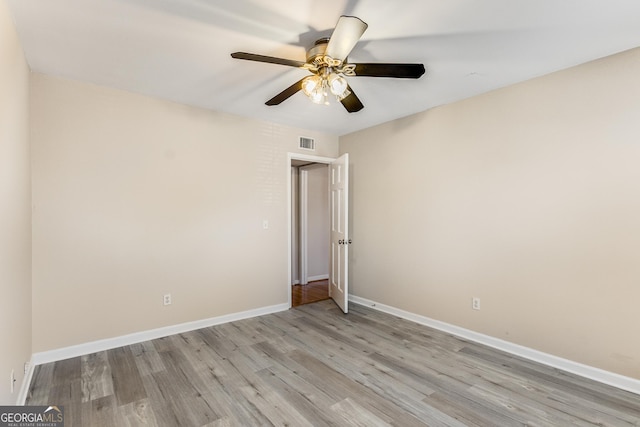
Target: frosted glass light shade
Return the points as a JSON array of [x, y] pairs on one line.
[[311, 84], [337, 85]]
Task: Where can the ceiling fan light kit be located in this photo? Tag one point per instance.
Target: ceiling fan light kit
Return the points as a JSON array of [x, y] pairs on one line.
[[317, 87], [327, 61]]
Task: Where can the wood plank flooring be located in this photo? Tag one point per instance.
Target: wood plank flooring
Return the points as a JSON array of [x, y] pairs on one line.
[[314, 366], [311, 292]]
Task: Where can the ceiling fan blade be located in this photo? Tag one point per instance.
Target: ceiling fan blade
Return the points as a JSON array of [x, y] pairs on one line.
[[268, 59], [401, 71], [286, 94], [348, 31], [352, 103]]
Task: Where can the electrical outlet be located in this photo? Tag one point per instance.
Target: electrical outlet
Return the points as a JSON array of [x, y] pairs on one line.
[[26, 368], [265, 224], [475, 303], [12, 379], [167, 299]]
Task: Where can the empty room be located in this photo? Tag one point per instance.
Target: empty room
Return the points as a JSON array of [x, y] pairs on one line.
[[344, 212]]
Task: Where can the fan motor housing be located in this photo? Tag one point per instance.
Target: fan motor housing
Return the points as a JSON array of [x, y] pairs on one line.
[[318, 50]]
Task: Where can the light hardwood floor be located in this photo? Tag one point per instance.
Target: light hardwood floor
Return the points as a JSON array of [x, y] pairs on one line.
[[315, 366]]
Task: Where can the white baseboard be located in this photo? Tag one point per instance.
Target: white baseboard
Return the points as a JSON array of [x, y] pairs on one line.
[[26, 382], [312, 279], [137, 337], [600, 375]]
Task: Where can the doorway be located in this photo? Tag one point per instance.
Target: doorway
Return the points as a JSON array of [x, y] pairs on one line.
[[310, 232], [309, 229], [339, 226]]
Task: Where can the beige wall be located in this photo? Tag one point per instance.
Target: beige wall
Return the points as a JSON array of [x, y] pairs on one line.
[[15, 210], [136, 197], [527, 197]]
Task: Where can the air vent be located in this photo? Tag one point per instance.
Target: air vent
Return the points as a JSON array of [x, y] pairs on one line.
[[307, 143]]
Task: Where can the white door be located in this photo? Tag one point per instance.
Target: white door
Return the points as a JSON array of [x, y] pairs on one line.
[[339, 205]]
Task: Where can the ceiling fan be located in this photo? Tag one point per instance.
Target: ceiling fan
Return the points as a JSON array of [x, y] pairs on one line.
[[327, 61]]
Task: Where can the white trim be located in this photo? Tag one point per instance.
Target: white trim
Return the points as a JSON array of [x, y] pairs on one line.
[[309, 158], [305, 157], [303, 229], [295, 227], [590, 372], [110, 343], [313, 279], [26, 383]]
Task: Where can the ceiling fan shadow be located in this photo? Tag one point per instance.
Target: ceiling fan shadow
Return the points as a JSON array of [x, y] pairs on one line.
[[350, 8], [257, 20], [259, 89], [308, 38], [471, 45]]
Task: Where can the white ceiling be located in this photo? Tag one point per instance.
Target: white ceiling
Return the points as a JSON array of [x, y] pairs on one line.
[[180, 49]]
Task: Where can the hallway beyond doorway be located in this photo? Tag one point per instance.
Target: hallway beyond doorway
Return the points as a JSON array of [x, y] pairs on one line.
[[311, 292]]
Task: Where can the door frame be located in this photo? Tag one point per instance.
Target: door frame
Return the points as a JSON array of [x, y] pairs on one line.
[[303, 226], [290, 158]]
